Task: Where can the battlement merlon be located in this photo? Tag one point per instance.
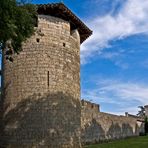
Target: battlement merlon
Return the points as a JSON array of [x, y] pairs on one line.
[[89, 105], [61, 11]]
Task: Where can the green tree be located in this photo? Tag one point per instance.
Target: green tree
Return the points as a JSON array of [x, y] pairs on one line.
[[17, 21], [141, 112], [146, 125]]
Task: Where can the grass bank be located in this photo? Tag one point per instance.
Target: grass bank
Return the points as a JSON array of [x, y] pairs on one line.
[[136, 142]]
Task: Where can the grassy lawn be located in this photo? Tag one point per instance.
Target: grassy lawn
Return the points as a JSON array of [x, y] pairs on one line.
[[137, 142]]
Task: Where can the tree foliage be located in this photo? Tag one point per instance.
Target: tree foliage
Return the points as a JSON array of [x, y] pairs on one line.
[[17, 20], [141, 112], [146, 125]]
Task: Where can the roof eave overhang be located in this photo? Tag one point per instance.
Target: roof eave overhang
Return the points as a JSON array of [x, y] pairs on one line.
[[61, 11]]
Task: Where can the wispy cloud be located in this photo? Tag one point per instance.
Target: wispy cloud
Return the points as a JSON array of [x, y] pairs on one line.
[[127, 91], [116, 57], [110, 55], [131, 19], [127, 96], [121, 111], [145, 63]]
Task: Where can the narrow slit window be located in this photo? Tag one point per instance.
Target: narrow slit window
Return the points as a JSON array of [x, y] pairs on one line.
[[48, 78]]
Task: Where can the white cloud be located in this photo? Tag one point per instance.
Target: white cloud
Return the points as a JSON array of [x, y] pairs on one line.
[[131, 110], [127, 91], [121, 64], [110, 55], [126, 96], [130, 20]]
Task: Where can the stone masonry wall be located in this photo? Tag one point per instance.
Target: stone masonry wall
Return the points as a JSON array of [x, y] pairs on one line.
[[42, 89], [98, 126]]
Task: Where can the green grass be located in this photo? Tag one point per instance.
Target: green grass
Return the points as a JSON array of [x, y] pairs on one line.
[[137, 142]]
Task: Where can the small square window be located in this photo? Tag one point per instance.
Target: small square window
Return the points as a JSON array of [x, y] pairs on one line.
[[38, 40], [64, 44]]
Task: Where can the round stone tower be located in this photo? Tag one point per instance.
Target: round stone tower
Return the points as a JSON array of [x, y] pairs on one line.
[[41, 89]]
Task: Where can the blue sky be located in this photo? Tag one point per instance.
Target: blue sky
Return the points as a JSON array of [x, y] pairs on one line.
[[114, 60]]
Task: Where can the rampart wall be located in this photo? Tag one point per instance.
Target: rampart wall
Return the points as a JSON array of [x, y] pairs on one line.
[[98, 126]]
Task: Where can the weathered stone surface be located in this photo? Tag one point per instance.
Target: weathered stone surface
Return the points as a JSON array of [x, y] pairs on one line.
[[42, 89], [98, 126]]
